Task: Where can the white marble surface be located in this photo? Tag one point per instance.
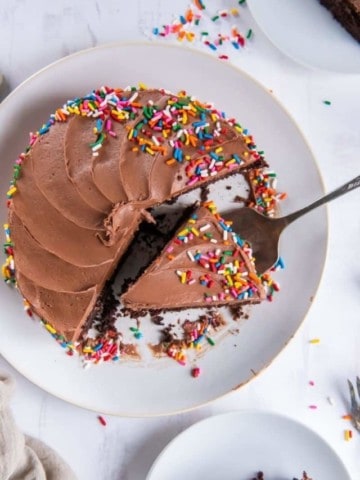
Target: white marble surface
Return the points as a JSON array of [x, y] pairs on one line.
[[34, 33]]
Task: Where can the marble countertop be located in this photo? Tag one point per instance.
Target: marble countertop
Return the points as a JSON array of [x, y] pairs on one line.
[[35, 33]]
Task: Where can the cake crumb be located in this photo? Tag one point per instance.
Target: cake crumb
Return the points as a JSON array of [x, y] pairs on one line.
[[240, 199], [204, 194], [237, 312], [157, 319]]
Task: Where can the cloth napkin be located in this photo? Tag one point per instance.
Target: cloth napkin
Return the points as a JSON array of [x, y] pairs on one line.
[[23, 457]]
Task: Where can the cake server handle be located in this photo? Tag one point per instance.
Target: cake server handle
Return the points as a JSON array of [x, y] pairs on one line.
[[347, 187]]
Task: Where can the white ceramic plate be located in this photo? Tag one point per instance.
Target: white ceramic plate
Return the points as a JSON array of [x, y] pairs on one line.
[[155, 387], [306, 31], [235, 446]]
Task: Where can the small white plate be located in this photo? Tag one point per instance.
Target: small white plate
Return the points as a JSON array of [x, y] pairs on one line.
[[235, 446], [306, 31], [157, 387]]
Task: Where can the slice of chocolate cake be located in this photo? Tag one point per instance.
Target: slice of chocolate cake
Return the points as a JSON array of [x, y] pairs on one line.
[[205, 264], [347, 13]]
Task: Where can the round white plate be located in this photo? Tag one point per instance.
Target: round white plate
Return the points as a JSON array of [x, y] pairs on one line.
[[306, 31], [156, 387], [237, 445]]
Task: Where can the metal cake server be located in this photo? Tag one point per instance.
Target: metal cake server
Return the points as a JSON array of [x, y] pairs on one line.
[[263, 233], [355, 405]]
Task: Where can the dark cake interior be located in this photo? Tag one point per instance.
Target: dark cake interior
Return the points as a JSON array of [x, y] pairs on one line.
[[347, 13]]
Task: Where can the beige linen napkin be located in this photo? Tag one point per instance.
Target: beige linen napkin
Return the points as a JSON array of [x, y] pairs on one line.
[[23, 457]]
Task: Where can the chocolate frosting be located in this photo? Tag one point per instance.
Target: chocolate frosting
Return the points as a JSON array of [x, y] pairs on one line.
[[77, 208]]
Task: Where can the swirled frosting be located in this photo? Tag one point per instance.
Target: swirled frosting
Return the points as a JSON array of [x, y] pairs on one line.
[[90, 175]]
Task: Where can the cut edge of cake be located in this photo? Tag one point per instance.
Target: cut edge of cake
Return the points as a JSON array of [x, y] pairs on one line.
[[346, 13]]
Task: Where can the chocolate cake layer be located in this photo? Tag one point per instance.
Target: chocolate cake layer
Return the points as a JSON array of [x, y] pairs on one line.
[[347, 13]]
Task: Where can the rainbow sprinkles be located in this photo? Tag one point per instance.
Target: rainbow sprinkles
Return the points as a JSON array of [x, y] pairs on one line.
[[211, 29], [220, 262]]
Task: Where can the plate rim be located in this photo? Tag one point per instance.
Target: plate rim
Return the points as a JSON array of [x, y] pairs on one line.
[[195, 51], [243, 412]]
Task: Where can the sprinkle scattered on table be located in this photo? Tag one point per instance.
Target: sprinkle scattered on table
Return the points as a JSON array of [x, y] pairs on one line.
[[102, 420], [348, 435], [314, 341], [313, 407], [211, 28], [326, 102], [311, 383], [195, 372], [347, 417]]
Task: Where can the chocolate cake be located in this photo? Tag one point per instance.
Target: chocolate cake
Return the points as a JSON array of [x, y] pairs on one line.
[[205, 264], [347, 13], [87, 180], [260, 476]]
